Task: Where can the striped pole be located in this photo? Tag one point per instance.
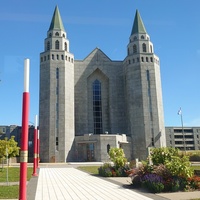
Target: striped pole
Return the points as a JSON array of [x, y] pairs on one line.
[[35, 149], [38, 148], [24, 134]]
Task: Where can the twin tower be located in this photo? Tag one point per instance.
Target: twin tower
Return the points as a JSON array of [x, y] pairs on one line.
[[88, 106]]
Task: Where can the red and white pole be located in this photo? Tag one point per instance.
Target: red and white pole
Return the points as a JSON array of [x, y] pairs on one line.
[[24, 134], [35, 150], [38, 149]]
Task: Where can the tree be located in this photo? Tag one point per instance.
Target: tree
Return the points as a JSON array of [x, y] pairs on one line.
[[8, 148]]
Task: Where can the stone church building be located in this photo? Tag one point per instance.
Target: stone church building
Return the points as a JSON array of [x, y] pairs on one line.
[[88, 106]]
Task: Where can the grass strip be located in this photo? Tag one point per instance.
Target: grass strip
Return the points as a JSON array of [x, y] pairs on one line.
[[13, 174], [89, 169]]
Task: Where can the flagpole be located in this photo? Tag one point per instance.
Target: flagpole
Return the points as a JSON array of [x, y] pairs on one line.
[[184, 143]]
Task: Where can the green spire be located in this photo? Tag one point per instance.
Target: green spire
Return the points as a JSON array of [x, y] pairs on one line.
[[138, 26], [56, 22]]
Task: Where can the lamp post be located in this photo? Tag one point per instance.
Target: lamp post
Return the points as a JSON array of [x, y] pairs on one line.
[[35, 149], [24, 134], [38, 148]]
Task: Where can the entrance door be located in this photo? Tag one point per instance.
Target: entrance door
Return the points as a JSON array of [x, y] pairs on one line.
[[90, 152]]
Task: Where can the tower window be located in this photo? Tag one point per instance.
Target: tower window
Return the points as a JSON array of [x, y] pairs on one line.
[[134, 48], [65, 46], [147, 59], [135, 38], [151, 48], [52, 56], [57, 34], [57, 57], [48, 46], [57, 73], [48, 57], [142, 59], [64, 35], [57, 44], [144, 47], [41, 59], [142, 37], [62, 57], [49, 34], [65, 57], [151, 59], [97, 107]]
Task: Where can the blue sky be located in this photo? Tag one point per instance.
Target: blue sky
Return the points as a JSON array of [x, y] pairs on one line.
[[173, 26]]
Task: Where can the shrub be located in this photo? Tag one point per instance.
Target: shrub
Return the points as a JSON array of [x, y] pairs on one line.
[[106, 170], [160, 155], [117, 156], [194, 183], [162, 171], [180, 166], [153, 182]]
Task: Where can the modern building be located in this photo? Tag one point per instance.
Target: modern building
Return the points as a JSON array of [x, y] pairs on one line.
[[16, 131], [185, 139], [88, 106]]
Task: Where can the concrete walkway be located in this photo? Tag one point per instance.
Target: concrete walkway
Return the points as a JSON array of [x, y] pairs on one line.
[[64, 181], [73, 184]]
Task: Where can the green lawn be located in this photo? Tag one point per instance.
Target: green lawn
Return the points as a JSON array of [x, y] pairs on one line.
[[13, 174], [90, 169], [196, 167], [11, 192]]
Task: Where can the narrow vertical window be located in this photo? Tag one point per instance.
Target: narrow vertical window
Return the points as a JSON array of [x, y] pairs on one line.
[[144, 47], [56, 44], [48, 46], [57, 110], [97, 107], [151, 49], [65, 46], [134, 48]]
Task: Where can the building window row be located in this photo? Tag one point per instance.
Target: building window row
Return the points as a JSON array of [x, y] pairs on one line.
[[144, 49], [57, 45], [143, 59], [56, 34], [56, 57], [142, 38]]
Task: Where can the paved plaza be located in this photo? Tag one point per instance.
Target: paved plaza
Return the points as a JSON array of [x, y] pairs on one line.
[[73, 184], [66, 182]]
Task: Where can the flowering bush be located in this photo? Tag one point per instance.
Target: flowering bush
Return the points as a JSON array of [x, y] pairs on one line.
[[153, 182], [160, 155], [194, 183], [117, 156], [170, 172], [105, 170], [179, 166]]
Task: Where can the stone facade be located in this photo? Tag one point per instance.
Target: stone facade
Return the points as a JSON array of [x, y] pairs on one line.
[[88, 106]]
